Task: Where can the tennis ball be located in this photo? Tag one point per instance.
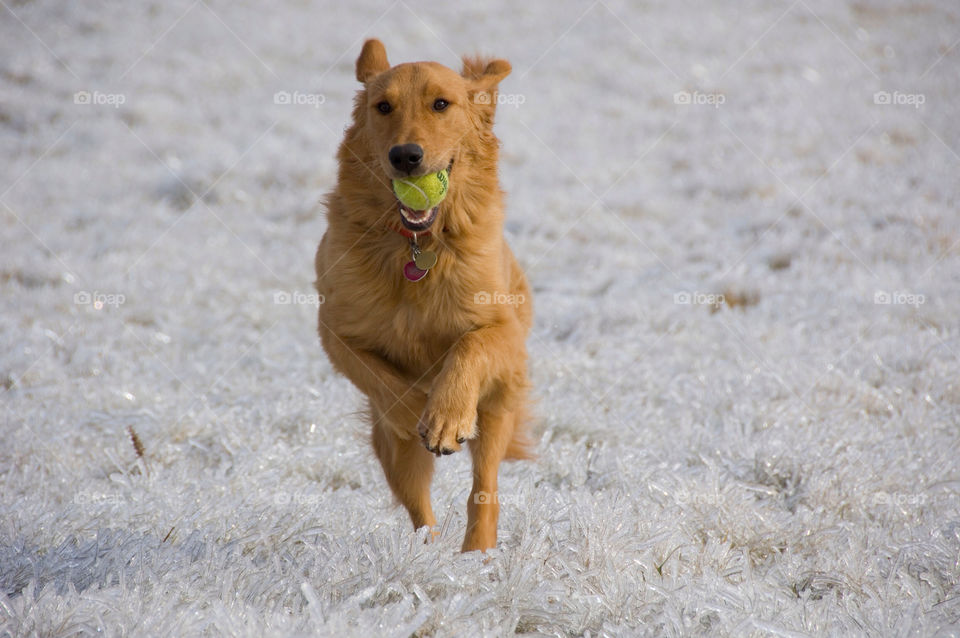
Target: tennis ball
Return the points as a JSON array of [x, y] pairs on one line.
[[424, 192]]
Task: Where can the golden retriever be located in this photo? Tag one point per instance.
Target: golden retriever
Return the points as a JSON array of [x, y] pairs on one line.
[[441, 360]]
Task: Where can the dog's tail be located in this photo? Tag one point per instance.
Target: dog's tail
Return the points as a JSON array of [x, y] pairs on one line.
[[521, 444]]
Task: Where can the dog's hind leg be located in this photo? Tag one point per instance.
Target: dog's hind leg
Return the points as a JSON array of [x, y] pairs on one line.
[[496, 428], [408, 467]]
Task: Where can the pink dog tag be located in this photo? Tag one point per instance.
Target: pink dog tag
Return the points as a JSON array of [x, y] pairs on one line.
[[412, 273]]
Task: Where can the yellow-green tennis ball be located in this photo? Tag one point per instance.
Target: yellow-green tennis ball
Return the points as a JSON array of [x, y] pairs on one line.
[[424, 192]]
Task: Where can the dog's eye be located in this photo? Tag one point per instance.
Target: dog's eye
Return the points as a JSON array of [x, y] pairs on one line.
[[440, 104], [384, 107]]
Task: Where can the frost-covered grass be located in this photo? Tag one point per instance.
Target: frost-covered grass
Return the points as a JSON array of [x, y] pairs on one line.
[[783, 460]]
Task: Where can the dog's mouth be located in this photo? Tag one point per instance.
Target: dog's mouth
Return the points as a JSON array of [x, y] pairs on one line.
[[419, 221]]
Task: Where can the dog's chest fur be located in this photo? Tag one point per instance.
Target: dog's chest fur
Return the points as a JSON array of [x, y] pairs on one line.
[[412, 324]]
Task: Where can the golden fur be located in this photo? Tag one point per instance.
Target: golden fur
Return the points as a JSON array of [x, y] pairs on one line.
[[437, 366]]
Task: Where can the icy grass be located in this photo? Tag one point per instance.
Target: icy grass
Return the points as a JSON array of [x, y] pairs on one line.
[[736, 438]]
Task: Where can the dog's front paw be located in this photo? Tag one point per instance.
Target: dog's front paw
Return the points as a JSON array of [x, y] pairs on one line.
[[444, 431]]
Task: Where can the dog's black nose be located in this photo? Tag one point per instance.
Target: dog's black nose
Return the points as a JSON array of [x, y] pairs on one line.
[[406, 157]]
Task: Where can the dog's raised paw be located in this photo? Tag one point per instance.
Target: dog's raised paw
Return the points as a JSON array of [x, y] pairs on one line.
[[446, 435]]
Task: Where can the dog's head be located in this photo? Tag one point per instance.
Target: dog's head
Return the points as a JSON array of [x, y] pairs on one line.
[[420, 117]]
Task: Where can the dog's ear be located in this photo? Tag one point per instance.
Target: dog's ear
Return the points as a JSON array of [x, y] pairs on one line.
[[372, 60], [477, 69], [483, 76]]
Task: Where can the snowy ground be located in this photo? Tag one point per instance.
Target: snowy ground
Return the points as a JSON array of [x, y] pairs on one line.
[[779, 461]]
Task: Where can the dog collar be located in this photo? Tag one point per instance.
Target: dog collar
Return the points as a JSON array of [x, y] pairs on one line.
[[409, 234]]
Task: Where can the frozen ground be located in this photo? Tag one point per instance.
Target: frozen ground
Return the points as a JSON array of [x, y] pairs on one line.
[[782, 463]]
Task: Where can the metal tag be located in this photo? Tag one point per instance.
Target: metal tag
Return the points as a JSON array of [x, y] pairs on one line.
[[425, 259]]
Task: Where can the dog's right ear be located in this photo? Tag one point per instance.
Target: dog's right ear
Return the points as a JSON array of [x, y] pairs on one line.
[[372, 60]]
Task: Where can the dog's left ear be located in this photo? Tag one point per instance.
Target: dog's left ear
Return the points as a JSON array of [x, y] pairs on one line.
[[483, 77]]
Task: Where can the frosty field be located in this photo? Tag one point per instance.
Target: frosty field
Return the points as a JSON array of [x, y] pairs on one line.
[[741, 222]]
